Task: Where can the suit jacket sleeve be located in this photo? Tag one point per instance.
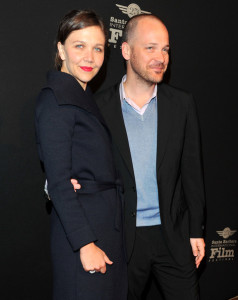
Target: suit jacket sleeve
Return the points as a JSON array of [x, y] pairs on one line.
[[55, 129], [192, 173]]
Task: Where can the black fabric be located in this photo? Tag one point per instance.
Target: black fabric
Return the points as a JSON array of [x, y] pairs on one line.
[[150, 255], [74, 143], [179, 168], [90, 187]]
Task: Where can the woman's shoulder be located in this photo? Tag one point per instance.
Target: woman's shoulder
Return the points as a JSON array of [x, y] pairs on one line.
[[46, 97]]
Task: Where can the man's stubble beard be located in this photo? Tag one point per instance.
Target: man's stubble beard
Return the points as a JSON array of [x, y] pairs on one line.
[[144, 75]]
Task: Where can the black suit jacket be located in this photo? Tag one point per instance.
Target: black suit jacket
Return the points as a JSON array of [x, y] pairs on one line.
[[179, 167]]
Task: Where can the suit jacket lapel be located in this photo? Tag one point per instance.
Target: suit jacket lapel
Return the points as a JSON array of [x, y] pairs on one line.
[[112, 114], [165, 120]]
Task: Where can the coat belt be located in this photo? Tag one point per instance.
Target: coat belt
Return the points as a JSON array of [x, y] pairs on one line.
[[90, 187]]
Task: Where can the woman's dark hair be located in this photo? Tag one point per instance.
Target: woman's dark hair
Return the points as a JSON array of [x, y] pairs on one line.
[[75, 20]]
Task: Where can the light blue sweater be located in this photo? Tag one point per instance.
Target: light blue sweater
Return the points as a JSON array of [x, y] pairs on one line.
[[142, 136]]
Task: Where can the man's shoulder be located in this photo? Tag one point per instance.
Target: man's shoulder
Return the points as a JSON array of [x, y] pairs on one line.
[[109, 94], [175, 96], [170, 90], [112, 93]]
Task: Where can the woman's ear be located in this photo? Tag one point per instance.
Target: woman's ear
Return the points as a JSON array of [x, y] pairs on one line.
[[61, 51]]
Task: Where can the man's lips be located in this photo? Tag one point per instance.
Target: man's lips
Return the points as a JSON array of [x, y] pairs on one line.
[[157, 66], [161, 67], [87, 69]]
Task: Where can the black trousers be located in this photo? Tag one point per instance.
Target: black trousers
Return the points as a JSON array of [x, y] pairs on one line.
[[150, 255]]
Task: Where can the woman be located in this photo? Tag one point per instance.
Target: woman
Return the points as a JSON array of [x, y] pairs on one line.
[[73, 142]]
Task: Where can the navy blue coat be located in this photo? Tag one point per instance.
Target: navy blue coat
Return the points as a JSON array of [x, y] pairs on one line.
[[73, 142]]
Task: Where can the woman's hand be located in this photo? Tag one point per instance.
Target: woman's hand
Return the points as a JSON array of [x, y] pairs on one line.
[[76, 185], [93, 258]]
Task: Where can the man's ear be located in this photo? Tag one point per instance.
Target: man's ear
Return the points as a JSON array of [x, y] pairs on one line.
[[61, 51], [126, 50]]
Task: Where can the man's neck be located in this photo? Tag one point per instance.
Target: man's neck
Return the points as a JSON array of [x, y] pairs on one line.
[[139, 91]]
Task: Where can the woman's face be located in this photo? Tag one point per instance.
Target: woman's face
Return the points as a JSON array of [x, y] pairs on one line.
[[83, 53]]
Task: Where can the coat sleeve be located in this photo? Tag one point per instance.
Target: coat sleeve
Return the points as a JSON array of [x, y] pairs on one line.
[[192, 172], [55, 130]]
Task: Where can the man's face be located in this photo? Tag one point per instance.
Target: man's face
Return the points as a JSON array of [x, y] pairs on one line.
[[149, 50]]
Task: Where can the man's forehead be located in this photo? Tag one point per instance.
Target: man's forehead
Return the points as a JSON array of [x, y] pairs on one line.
[[149, 25], [147, 30], [149, 19]]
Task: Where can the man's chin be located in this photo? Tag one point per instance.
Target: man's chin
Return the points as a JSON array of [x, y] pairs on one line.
[[157, 79]]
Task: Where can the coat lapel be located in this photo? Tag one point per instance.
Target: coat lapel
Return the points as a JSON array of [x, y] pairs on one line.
[[112, 114], [165, 119], [69, 92]]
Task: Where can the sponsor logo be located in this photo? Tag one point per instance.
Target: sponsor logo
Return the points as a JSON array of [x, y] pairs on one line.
[[226, 233], [223, 249], [132, 10], [117, 23]]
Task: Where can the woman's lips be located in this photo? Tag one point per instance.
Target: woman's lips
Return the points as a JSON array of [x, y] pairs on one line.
[[87, 69]]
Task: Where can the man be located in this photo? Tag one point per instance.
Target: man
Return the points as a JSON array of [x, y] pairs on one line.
[[157, 150]]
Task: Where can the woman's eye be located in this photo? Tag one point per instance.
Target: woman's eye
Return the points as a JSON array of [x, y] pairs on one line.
[[98, 49], [79, 46]]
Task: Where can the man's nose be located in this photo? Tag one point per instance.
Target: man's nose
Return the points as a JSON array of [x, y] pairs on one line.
[[160, 56]]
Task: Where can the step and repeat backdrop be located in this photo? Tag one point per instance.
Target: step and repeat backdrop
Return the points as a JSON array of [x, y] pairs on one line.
[[204, 47]]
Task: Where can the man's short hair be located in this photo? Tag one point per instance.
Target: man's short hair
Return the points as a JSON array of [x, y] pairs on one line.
[[132, 23]]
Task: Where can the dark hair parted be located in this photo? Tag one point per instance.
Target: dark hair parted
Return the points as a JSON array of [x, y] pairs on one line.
[[75, 20], [132, 23]]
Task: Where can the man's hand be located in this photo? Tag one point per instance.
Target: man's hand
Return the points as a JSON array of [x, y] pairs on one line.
[[76, 185], [198, 248], [93, 258]]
